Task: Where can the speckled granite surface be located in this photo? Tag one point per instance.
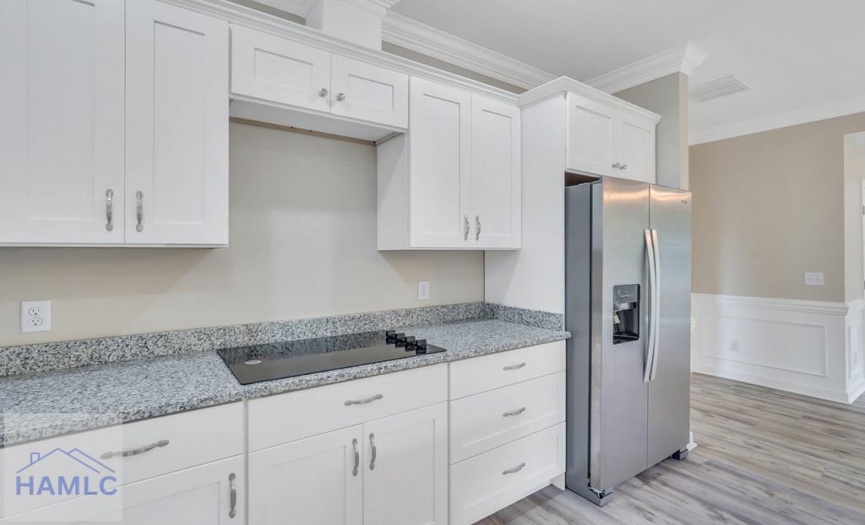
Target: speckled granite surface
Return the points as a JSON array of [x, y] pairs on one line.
[[138, 389], [39, 358], [537, 318]]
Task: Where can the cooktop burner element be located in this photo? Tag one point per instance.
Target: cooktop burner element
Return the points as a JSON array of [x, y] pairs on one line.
[[252, 364]]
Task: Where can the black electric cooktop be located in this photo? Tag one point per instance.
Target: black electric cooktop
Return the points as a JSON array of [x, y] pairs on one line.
[[252, 364]]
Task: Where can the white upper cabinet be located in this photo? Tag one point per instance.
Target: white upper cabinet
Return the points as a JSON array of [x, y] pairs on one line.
[[279, 70], [177, 126], [610, 139], [368, 92], [275, 70], [61, 128], [454, 181], [439, 165], [496, 174]]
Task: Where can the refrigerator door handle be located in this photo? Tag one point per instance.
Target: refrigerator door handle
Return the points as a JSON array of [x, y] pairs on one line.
[[656, 306], [653, 291]]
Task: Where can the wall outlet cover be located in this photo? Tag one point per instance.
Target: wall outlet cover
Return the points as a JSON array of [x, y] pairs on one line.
[[35, 316], [813, 279], [423, 291]]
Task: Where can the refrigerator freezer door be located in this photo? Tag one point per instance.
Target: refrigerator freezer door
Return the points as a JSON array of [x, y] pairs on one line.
[[669, 391], [619, 397]]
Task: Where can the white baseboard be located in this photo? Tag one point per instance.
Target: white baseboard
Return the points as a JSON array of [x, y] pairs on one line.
[[812, 348]]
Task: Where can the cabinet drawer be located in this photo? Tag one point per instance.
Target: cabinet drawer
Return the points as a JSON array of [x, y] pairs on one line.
[[491, 419], [296, 415], [495, 371], [487, 483], [182, 440]]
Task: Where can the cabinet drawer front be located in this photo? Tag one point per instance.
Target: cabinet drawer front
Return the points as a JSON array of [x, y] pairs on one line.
[[480, 374], [277, 70], [491, 419], [162, 445], [487, 483], [296, 415], [368, 92]]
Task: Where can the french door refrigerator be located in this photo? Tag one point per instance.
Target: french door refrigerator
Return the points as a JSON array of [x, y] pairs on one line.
[[628, 308]]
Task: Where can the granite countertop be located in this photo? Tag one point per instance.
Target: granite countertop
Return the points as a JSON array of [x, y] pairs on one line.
[[54, 403]]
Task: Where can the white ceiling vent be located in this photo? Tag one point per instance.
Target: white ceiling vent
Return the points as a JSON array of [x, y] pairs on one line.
[[718, 88]]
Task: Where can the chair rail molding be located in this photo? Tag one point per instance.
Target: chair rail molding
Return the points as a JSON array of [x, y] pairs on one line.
[[681, 59], [812, 348]]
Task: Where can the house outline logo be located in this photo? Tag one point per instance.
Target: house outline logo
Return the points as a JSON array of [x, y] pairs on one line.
[[69, 473]]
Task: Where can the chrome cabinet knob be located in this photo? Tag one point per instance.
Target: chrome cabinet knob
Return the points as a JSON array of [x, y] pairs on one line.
[[340, 97], [323, 92]]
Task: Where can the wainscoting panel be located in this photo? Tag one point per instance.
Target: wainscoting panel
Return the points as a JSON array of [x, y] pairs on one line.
[[807, 347]]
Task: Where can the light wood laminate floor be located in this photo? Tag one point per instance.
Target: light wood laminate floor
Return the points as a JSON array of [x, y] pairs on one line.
[[764, 457]]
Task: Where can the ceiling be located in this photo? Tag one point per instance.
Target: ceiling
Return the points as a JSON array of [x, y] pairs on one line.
[[803, 59]]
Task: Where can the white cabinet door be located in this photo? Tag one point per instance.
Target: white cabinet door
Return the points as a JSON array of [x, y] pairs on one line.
[[278, 70], [635, 142], [211, 494], [406, 468], [591, 136], [439, 165], [496, 174], [61, 127], [368, 92], [176, 126], [314, 481]]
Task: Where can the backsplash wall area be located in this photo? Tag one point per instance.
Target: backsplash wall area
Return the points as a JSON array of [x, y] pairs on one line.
[[303, 212]]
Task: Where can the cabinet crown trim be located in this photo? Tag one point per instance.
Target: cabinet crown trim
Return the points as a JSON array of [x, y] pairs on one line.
[[266, 23], [564, 85]]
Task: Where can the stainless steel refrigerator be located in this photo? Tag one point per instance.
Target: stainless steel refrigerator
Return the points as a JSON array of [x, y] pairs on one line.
[[628, 308]]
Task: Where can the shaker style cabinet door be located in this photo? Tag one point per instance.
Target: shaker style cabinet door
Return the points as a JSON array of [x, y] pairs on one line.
[[496, 175], [314, 481], [439, 165], [176, 126], [210, 494], [635, 141], [591, 127], [368, 92], [61, 126], [270, 68], [406, 468]]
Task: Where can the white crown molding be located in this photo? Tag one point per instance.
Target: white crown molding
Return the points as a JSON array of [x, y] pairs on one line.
[[564, 85], [837, 108], [413, 35], [302, 8], [681, 59]]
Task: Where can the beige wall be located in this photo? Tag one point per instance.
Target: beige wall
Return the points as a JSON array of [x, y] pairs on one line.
[[854, 206], [302, 244], [769, 207], [668, 97]]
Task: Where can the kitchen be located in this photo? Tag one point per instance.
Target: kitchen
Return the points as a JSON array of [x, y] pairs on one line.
[[260, 270]]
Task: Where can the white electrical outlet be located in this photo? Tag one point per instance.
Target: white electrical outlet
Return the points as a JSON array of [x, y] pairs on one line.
[[734, 347], [813, 279], [35, 316], [423, 291]]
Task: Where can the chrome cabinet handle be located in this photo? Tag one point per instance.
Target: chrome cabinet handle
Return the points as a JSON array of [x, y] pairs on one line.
[[323, 92], [232, 511], [356, 457], [139, 210], [363, 401], [340, 97], [513, 470], [478, 226], [616, 165], [136, 451], [514, 412], [109, 210], [466, 228], [624, 166], [514, 367], [374, 452]]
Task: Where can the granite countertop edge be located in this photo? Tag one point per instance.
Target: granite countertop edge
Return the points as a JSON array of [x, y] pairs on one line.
[[217, 383]]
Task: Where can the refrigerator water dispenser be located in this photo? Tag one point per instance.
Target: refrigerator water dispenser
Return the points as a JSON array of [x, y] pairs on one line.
[[626, 313]]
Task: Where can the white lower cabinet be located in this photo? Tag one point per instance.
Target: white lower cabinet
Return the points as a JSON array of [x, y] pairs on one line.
[[405, 468], [206, 495], [318, 480]]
